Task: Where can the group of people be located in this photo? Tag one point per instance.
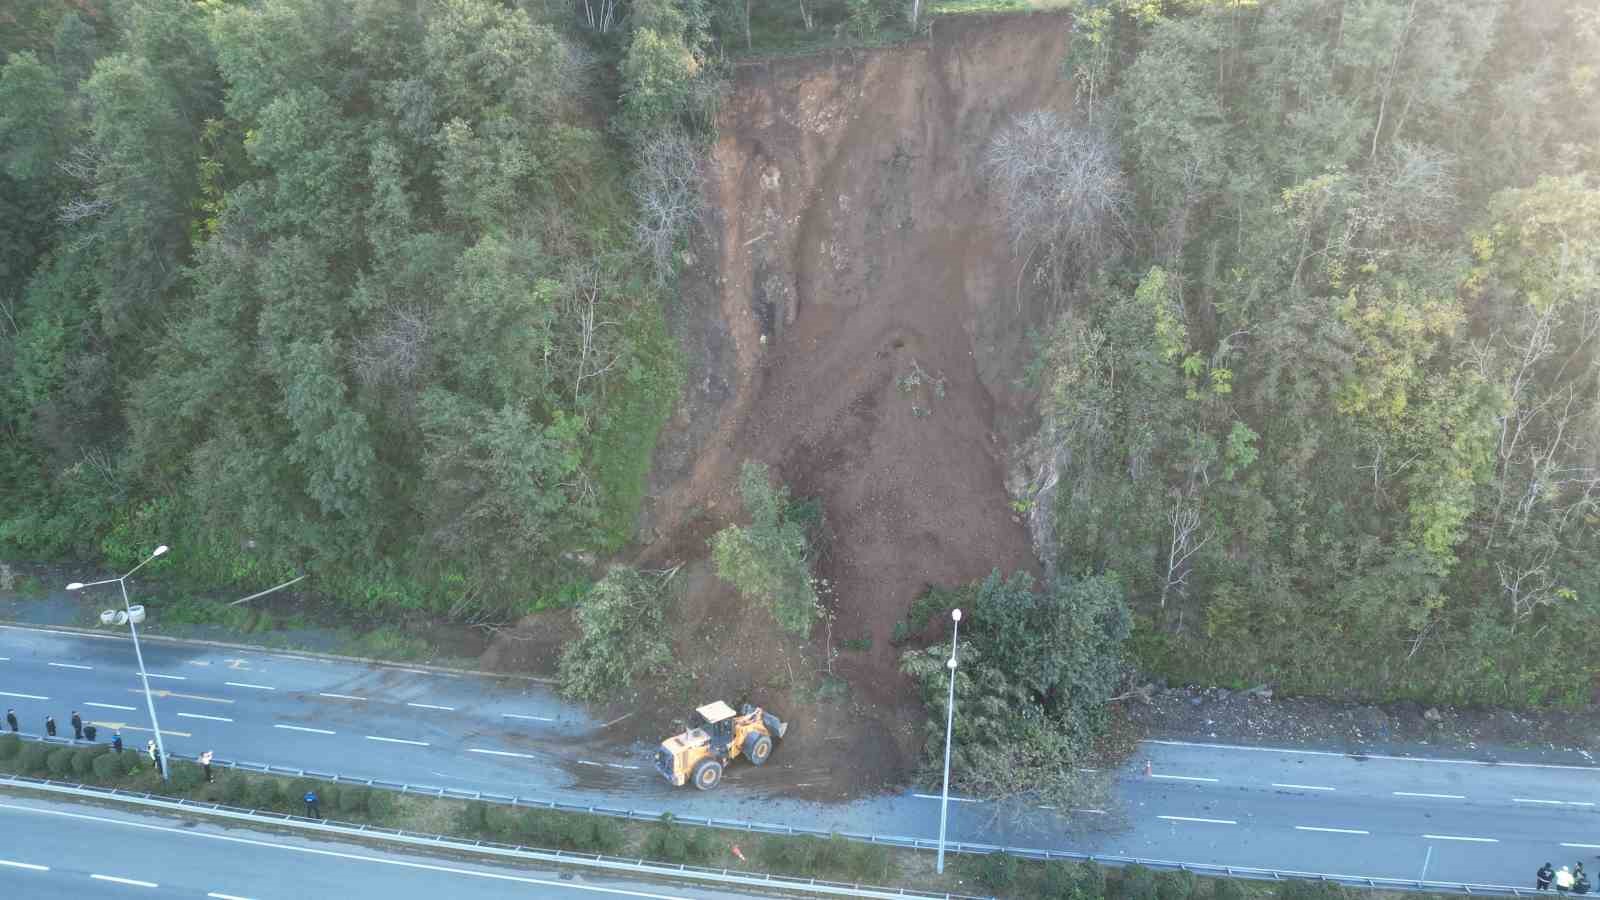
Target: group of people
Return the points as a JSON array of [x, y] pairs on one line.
[[81, 731], [1563, 879], [87, 732]]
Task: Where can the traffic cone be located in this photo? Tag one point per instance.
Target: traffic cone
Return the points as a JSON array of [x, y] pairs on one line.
[[1147, 767], [738, 854]]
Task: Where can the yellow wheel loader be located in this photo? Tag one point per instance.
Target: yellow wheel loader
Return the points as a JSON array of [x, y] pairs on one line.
[[717, 736]]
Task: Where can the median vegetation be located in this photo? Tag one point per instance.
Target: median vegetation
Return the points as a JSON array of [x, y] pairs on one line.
[[664, 841]]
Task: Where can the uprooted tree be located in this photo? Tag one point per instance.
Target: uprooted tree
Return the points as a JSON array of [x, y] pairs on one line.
[[621, 634], [1036, 669], [770, 559]]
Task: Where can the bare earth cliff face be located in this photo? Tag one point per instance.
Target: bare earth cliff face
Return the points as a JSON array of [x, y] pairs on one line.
[[855, 231]]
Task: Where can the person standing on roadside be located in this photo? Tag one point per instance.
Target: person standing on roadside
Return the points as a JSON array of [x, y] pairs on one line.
[[77, 726], [1563, 880], [1541, 878], [155, 757], [50, 726], [205, 765], [116, 744], [11, 719], [312, 812]]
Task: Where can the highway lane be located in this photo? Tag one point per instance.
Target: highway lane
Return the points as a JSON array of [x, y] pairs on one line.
[[1303, 810], [70, 851]]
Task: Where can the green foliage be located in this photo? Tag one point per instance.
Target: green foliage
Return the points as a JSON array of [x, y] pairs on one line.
[[380, 267], [34, 758], [667, 841], [833, 858], [83, 760], [353, 800], [382, 805], [107, 767], [10, 746], [1292, 421], [996, 871], [1136, 883], [1175, 885], [59, 762], [769, 561], [622, 635], [265, 793], [1226, 889], [1036, 669]]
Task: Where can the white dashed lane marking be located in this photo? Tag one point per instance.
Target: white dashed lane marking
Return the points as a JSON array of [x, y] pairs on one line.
[[953, 799], [70, 666], [1552, 802], [1192, 819], [129, 881], [304, 728], [1331, 830], [207, 718], [499, 752], [168, 677], [341, 697], [111, 706], [1301, 787], [431, 706], [23, 696], [22, 865], [1183, 777], [1458, 837], [534, 718], [1430, 796], [397, 741], [254, 687]]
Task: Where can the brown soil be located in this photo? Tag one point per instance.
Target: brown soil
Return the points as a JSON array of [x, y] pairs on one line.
[[852, 243]]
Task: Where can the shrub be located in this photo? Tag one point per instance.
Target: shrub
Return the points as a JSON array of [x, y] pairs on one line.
[[622, 636], [1137, 883], [185, 776], [233, 788], [59, 761], [505, 821], [996, 871], [107, 767], [83, 761], [382, 805], [10, 746], [474, 817], [33, 757], [670, 842], [1226, 889], [1178, 885], [264, 794], [352, 799], [1311, 890]]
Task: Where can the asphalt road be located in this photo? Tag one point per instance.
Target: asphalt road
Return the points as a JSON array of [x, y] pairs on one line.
[[1455, 820], [55, 850]]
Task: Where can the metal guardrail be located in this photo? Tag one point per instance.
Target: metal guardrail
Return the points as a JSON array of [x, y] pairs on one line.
[[910, 843], [492, 848]]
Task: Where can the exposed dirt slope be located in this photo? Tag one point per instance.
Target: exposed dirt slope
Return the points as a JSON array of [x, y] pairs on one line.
[[854, 230]]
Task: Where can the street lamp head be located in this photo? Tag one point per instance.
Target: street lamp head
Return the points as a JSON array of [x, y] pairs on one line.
[[76, 585], [955, 615], [950, 664], [159, 550]]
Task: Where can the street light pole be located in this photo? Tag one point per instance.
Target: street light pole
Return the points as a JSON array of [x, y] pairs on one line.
[[949, 724], [150, 702]]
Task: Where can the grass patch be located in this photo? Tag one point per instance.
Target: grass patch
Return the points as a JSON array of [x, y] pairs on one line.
[[856, 645], [626, 439], [387, 642]]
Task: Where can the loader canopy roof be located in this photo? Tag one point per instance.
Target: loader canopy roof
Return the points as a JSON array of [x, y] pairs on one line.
[[715, 712]]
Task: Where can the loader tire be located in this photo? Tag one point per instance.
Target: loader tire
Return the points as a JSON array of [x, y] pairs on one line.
[[758, 748], [707, 774]]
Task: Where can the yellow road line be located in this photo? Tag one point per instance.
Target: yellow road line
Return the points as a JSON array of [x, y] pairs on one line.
[[124, 726], [174, 694]]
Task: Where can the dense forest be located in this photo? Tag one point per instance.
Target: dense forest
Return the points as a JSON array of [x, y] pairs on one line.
[[379, 289], [1323, 387]]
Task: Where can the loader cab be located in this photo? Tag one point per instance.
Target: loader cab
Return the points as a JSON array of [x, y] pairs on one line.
[[716, 720]]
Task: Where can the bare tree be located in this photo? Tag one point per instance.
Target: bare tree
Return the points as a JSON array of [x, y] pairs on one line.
[[594, 359], [668, 187], [599, 15], [395, 351], [89, 166], [1185, 522], [1065, 194]]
